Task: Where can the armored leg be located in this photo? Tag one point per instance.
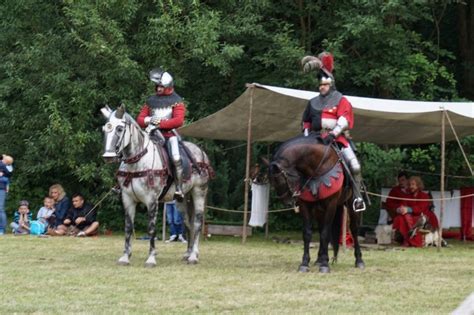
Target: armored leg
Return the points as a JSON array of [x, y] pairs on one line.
[[176, 157], [351, 159]]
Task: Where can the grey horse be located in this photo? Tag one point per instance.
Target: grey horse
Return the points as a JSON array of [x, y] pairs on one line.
[[144, 176]]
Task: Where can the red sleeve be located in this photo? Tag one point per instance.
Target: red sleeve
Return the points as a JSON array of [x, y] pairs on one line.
[[145, 112], [420, 205], [393, 204], [345, 109], [177, 119], [306, 125]]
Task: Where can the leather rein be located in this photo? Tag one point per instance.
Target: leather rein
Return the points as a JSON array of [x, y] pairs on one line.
[[286, 174]]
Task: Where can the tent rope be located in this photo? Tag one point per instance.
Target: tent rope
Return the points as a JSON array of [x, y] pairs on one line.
[[459, 143], [241, 211], [433, 174], [369, 193], [411, 199]]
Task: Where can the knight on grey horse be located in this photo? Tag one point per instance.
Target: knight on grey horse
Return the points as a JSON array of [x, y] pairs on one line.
[[144, 177]]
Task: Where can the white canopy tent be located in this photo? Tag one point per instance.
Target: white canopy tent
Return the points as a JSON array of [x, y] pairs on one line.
[[269, 113], [277, 112]]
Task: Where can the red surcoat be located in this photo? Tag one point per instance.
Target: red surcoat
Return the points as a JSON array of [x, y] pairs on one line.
[[331, 114], [176, 120]]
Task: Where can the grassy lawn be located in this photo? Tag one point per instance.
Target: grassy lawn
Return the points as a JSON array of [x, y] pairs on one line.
[[63, 275]]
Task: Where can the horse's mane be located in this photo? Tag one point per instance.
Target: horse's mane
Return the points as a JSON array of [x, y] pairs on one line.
[[132, 120], [313, 138]]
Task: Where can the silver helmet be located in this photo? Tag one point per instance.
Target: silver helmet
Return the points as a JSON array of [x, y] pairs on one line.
[[160, 77]]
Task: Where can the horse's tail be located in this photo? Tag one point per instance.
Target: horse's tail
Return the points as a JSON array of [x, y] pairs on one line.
[[336, 231]]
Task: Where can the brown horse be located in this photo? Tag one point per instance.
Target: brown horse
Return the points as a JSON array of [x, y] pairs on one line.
[[308, 175]]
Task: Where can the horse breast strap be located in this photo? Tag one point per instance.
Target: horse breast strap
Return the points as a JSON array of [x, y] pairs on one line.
[[149, 174], [136, 158]]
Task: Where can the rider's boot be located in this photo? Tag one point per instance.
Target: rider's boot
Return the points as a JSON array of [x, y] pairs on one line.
[[179, 195], [358, 203]]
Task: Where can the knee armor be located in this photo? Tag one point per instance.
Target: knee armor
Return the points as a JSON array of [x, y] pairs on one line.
[[351, 160]]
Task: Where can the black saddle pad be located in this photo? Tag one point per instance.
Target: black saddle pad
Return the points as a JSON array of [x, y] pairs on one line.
[[185, 160]]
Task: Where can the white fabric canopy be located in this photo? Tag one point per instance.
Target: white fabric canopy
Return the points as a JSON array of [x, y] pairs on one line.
[[277, 112]]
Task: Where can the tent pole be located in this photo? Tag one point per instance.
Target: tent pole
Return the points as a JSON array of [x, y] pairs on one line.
[[443, 147], [247, 165], [266, 224]]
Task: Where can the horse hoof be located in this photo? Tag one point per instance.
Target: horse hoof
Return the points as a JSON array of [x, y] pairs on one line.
[[303, 269], [324, 269], [360, 265], [186, 257], [150, 265], [192, 261], [123, 263]]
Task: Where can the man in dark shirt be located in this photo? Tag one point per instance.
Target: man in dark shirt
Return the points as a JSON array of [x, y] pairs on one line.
[[80, 219]]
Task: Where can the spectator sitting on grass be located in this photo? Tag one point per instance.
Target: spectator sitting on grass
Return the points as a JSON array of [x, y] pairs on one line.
[[21, 219], [61, 204], [46, 213], [80, 219]]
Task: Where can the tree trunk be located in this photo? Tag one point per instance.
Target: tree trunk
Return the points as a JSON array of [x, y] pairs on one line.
[[466, 47]]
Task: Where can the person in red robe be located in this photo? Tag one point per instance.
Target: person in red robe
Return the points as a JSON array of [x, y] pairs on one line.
[[399, 191], [410, 211]]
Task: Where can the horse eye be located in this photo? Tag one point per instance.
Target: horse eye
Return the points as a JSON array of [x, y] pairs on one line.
[[108, 127], [119, 129]]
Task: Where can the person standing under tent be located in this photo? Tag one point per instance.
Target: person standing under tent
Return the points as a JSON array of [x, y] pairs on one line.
[[175, 221]]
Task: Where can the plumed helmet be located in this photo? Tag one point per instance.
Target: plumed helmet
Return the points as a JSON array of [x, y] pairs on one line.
[[327, 61], [323, 65], [160, 77]]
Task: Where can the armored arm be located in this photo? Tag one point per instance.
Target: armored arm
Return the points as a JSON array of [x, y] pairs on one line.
[[345, 120]]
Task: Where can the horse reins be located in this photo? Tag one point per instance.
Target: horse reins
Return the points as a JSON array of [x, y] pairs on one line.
[[287, 180]]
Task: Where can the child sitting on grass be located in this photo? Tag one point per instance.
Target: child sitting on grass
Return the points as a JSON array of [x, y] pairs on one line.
[[45, 214], [21, 219]]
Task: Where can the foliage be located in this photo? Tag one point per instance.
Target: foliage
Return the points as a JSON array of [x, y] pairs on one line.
[[63, 60]]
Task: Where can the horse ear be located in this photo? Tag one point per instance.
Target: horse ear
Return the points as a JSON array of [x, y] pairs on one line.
[[120, 112], [106, 111], [265, 161]]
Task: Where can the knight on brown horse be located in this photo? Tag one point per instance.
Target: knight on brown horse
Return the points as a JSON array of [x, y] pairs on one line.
[[330, 116], [307, 174]]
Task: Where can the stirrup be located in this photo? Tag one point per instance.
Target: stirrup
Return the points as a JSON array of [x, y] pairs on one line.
[[116, 189], [178, 195], [358, 201]]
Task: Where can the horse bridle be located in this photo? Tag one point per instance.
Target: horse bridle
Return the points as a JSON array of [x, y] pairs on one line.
[[121, 138], [289, 183]]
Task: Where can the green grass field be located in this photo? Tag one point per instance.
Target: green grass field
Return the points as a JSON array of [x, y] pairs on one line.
[[64, 275]]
